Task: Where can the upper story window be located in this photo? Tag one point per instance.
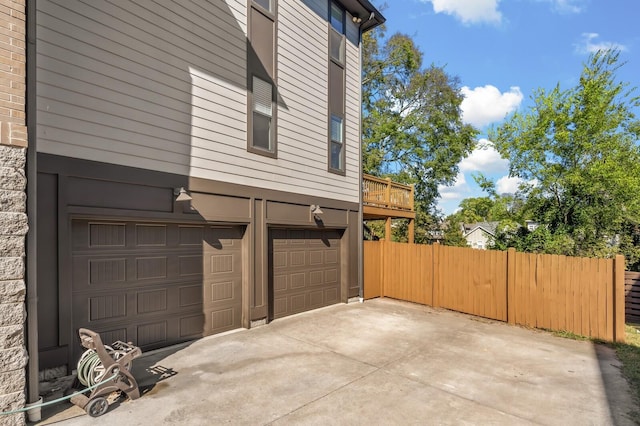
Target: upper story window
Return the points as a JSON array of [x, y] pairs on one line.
[[336, 149], [262, 115], [336, 34], [261, 63], [266, 4], [337, 17]]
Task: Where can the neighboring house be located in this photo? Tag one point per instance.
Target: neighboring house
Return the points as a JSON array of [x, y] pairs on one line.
[[531, 225], [479, 235], [198, 166]]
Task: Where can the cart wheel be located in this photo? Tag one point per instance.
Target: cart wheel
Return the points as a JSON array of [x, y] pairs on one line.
[[97, 407]]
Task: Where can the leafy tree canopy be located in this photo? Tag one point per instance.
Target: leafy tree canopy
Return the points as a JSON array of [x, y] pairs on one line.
[[412, 126], [578, 150]]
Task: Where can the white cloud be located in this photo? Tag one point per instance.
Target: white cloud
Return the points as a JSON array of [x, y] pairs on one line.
[[508, 185], [590, 44], [484, 158], [455, 191], [566, 6], [469, 11], [484, 105]]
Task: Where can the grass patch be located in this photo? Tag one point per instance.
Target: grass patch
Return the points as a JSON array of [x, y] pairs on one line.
[[569, 335], [629, 355]]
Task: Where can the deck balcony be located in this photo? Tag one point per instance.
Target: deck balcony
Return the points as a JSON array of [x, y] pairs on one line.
[[383, 199]]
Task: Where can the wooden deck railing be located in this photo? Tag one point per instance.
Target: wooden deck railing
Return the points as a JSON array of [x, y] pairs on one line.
[[385, 193]]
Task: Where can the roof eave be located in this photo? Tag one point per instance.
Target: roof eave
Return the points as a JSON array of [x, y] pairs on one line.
[[371, 17]]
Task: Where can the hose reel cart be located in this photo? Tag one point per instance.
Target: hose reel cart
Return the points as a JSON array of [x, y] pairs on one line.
[[106, 370]]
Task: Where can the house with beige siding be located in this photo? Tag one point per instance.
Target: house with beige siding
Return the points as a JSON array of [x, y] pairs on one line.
[[479, 235], [196, 166]]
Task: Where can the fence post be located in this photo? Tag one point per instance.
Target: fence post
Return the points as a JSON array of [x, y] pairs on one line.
[[511, 285], [435, 264], [383, 270], [618, 299]]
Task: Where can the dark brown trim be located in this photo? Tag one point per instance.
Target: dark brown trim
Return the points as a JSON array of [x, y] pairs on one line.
[[247, 275], [64, 265], [330, 111], [75, 167], [332, 62], [258, 69], [223, 188], [259, 301]]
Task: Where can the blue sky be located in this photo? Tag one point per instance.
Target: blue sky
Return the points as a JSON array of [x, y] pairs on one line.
[[503, 50]]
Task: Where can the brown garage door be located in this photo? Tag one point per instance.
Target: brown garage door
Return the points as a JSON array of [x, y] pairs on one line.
[[155, 284], [305, 268]]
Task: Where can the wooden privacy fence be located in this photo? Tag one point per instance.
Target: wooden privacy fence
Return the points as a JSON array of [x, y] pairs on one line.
[[579, 295], [632, 296]]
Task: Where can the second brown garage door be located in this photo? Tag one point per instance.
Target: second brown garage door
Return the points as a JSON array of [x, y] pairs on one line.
[[305, 270]]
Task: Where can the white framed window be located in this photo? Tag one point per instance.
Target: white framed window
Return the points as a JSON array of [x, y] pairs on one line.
[[336, 160], [262, 117]]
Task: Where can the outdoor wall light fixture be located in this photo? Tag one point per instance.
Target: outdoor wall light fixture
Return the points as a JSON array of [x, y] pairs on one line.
[[356, 19], [315, 210], [181, 194]]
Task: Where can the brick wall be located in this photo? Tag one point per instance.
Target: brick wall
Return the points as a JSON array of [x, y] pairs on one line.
[[13, 218]]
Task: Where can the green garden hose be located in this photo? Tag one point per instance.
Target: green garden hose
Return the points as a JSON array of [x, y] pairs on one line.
[[55, 401]]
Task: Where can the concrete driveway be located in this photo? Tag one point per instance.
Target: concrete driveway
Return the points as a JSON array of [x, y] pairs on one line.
[[381, 362]]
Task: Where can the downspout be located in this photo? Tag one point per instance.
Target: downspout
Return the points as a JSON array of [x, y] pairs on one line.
[[33, 390], [360, 211]]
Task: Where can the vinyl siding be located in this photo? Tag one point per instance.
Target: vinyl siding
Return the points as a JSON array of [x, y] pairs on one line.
[[162, 86]]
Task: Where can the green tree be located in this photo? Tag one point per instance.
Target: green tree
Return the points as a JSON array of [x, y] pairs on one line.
[[494, 208], [453, 234], [412, 126], [578, 150]]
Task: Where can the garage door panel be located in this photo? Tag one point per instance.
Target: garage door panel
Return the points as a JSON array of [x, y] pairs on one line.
[[100, 271], [316, 278], [190, 235], [298, 280], [151, 301], [150, 268], [190, 295], [331, 276], [331, 296], [155, 284], [298, 303], [148, 235], [155, 333], [191, 326], [316, 257], [221, 320], [120, 270], [331, 256], [98, 308], [190, 265], [98, 235], [316, 298], [107, 307], [222, 279], [305, 269], [280, 307]]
